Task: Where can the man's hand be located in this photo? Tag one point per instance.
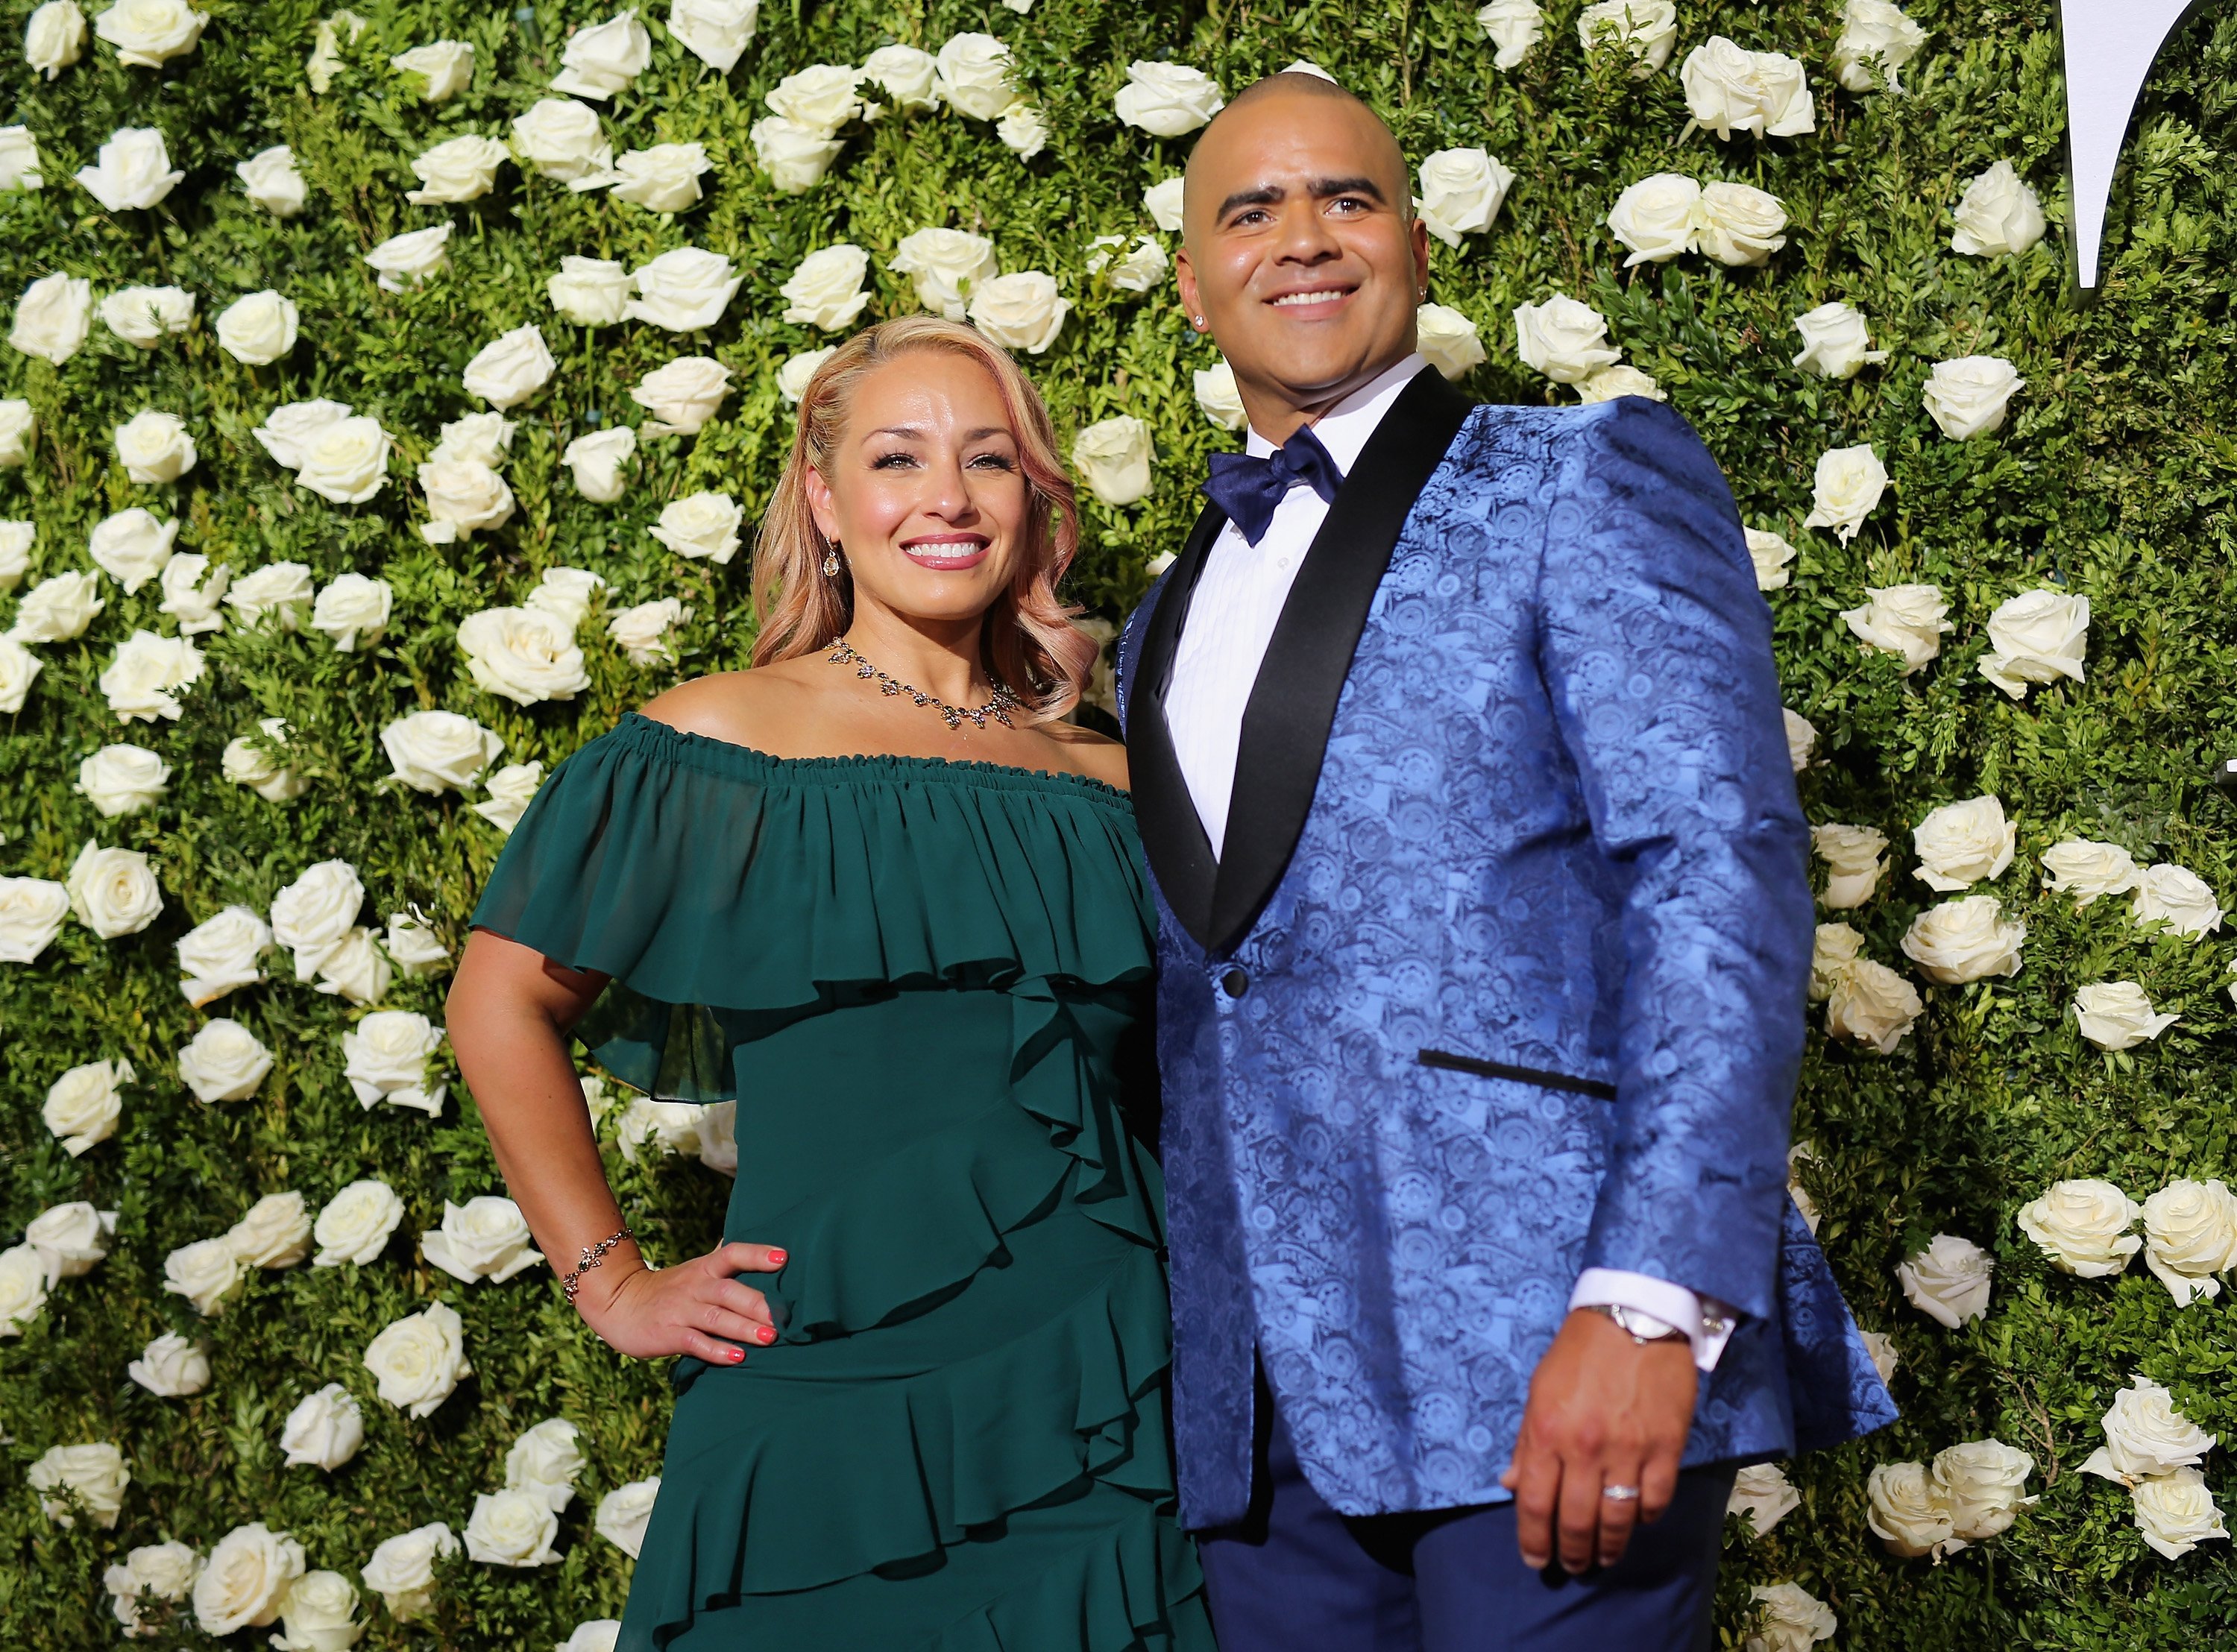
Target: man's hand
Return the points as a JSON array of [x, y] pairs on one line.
[[689, 1308], [1603, 1411]]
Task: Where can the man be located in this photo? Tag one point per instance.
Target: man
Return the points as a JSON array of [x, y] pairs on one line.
[[1485, 928]]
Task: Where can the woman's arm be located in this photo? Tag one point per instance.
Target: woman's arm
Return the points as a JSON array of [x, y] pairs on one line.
[[509, 1013]]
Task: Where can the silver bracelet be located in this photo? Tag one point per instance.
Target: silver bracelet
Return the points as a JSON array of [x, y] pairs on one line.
[[592, 1256]]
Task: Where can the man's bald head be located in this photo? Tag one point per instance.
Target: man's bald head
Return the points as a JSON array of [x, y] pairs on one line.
[[1296, 83]]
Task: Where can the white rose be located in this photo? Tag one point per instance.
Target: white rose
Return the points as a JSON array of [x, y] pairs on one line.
[[1605, 384], [1513, 26], [2082, 1226], [17, 539], [57, 609], [2190, 1235], [1964, 940], [793, 377], [718, 1138], [1979, 1483], [384, 1058], [402, 1568], [437, 751], [562, 139], [1905, 1510], [220, 955], [604, 58], [1562, 338], [1967, 397], [2116, 1015], [821, 97], [204, 1272], [445, 66], [904, 74], [486, 438], [1162, 200], [347, 460], [592, 1635], [53, 317], [135, 170], [1020, 312], [275, 1232], [1462, 192], [971, 74], [1728, 90], [522, 654], [590, 291], [642, 631], [2085, 870], [1741, 225], [113, 891], [946, 265], [463, 495], [1166, 100], [511, 368], [414, 945], [794, 156], [352, 611], [717, 32], [624, 1512], [826, 290], [2037, 637], [145, 316], [95, 1473], [1801, 738], [355, 969], [22, 1288], [664, 178], [246, 1575], [1905, 621], [1023, 129], [324, 1431], [415, 256], [1762, 1493], [19, 668], [1770, 554], [1113, 456], [1140, 268], [55, 37], [1833, 948], [682, 395], [546, 1462], [596, 462], [1647, 29], [1446, 339], [223, 1062], [133, 546], [155, 448], [269, 179], [259, 329], [1216, 397], [1875, 41], [1960, 843], [19, 160], [565, 593], [318, 1612], [665, 1126], [2146, 1436], [83, 1106], [288, 430], [355, 1225], [1997, 215], [149, 33], [510, 790], [312, 914], [1791, 1620], [2177, 896], [165, 1570], [418, 1360], [511, 1529], [1851, 855], [460, 168], [701, 525], [683, 290], [171, 1367], [1850, 481], [117, 780], [1835, 344], [1949, 1280], [249, 760], [1657, 218], [17, 426], [1872, 1005], [70, 1239], [484, 1238], [280, 590], [2177, 1513]]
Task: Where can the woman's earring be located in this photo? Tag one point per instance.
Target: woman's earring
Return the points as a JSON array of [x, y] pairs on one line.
[[1199, 322], [831, 562]]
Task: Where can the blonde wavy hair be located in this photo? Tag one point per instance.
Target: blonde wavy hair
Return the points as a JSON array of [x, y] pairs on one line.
[[1029, 642]]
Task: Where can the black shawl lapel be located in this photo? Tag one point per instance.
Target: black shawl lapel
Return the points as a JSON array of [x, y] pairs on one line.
[[1285, 726], [1172, 834]]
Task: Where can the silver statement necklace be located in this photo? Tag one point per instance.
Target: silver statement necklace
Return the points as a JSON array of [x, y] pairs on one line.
[[842, 653]]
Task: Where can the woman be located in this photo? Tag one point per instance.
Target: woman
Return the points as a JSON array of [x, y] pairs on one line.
[[873, 888]]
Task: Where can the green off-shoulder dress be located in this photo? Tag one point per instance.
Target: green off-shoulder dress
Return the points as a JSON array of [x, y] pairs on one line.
[[921, 981]]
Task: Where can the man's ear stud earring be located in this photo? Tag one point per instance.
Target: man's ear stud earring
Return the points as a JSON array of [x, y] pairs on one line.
[[1199, 322]]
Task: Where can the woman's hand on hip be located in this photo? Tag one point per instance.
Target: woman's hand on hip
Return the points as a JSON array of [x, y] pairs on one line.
[[696, 1307]]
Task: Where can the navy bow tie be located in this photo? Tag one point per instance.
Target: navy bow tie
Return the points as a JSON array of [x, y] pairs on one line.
[[1249, 490]]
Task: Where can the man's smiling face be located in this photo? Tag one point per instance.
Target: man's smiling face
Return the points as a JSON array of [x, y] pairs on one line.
[[1301, 252]]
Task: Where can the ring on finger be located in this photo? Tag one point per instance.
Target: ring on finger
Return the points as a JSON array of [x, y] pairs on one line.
[[1620, 1493]]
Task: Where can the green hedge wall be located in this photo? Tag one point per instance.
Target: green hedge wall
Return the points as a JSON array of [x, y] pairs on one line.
[[2112, 478]]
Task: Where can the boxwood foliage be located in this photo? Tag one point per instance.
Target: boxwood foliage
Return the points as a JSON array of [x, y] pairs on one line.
[[2113, 479]]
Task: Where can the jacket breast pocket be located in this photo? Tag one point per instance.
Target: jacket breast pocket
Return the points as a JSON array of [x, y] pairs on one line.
[[1537, 1075]]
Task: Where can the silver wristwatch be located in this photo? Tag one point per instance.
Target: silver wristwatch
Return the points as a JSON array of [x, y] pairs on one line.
[[1643, 1328]]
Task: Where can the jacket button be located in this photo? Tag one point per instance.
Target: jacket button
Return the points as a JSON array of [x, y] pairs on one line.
[[1235, 983]]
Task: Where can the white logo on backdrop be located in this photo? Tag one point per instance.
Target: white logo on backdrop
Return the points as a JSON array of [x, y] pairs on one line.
[[2109, 48]]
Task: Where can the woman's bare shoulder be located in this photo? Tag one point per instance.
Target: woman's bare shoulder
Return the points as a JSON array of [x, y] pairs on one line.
[[740, 706], [1088, 752]]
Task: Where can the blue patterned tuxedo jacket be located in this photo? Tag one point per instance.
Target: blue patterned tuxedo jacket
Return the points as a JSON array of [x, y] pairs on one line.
[[1502, 974]]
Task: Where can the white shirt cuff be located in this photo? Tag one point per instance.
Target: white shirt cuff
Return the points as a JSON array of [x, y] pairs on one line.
[[1706, 1322]]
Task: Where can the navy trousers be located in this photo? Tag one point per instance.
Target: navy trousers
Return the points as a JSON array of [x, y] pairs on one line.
[[1297, 1576]]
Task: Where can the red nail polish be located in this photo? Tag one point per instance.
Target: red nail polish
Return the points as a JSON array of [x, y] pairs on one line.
[[776, 1257], [766, 1334], [736, 1354]]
